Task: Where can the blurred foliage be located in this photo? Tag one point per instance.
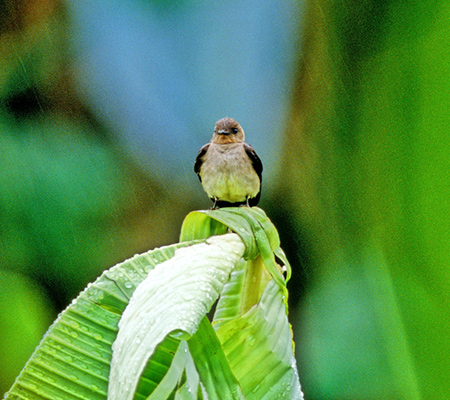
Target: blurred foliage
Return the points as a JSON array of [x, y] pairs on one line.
[[25, 313], [366, 171], [71, 203]]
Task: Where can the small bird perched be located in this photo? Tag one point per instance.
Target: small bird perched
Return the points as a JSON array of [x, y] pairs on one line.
[[228, 168]]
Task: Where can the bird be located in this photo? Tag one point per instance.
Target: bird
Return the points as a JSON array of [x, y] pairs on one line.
[[228, 168]]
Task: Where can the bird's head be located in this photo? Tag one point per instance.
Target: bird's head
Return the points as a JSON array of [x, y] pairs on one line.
[[227, 130]]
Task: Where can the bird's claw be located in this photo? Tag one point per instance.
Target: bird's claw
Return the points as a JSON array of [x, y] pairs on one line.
[[214, 206]]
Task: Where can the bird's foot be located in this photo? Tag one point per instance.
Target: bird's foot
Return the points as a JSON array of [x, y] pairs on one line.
[[214, 206]]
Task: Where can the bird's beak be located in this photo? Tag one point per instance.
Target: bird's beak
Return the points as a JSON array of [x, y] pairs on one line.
[[223, 132]]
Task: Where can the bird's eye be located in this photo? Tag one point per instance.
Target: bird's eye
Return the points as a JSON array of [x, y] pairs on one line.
[[235, 130]]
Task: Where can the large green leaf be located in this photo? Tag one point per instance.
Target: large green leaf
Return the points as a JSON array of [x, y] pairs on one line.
[[164, 346], [256, 337], [252, 225], [212, 364], [259, 348], [72, 361], [173, 299]]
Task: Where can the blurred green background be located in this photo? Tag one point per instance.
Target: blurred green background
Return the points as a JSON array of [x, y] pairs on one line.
[[104, 105]]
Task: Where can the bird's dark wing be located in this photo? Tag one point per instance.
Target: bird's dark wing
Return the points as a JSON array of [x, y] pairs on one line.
[[199, 161], [257, 164]]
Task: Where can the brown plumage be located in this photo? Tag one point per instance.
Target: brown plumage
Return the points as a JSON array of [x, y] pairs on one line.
[[228, 168]]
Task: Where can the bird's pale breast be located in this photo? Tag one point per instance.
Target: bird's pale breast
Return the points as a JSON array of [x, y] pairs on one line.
[[227, 173]]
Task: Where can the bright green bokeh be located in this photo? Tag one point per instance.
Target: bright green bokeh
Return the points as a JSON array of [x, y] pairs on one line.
[[370, 154], [25, 314]]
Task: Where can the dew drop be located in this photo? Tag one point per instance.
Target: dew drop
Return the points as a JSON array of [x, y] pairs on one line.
[[68, 358], [187, 296]]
